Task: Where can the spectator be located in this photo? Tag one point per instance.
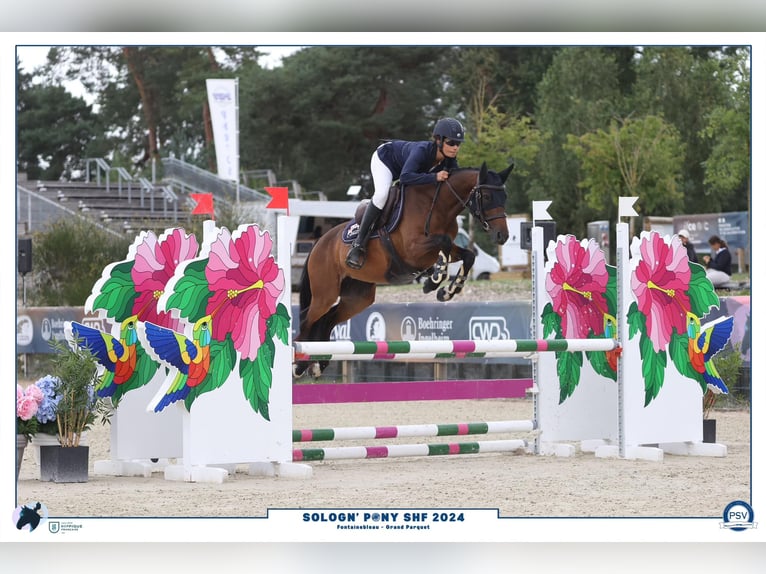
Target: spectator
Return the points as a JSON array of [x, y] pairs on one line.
[[684, 235], [719, 262]]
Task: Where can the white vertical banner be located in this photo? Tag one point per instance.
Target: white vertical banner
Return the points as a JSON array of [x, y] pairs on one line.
[[222, 97]]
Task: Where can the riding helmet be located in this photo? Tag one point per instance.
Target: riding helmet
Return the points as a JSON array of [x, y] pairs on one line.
[[449, 128]]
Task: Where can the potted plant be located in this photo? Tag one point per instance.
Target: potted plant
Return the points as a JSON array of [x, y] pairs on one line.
[[75, 408], [728, 366], [27, 404]]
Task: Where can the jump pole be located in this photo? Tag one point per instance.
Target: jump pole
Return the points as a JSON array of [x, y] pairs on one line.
[[404, 450], [424, 430], [449, 347]]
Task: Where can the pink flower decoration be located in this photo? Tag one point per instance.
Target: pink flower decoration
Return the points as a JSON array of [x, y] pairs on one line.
[[35, 392], [26, 407], [660, 282], [19, 392], [246, 284], [576, 284], [155, 262]]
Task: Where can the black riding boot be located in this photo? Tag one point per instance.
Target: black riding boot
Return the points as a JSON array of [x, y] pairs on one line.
[[357, 254]]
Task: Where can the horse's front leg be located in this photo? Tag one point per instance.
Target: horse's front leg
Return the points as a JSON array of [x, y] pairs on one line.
[[467, 258], [438, 273]]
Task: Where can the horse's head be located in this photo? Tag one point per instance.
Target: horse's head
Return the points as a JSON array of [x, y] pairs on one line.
[[487, 202]]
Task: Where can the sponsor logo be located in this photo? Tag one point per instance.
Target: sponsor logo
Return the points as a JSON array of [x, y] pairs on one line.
[[25, 330], [375, 330], [46, 331], [488, 328], [341, 331], [409, 329]]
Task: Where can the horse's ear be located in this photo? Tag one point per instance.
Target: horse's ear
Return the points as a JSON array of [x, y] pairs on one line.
[[507, 171], [483, 172]]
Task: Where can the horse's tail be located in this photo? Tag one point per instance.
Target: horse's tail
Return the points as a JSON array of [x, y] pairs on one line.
[[305, 292]]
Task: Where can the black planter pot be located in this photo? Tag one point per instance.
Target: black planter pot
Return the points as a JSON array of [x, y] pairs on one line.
[[64, 464], [708, 430]]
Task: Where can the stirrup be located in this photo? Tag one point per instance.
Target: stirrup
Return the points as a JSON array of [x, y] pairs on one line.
[[356, 262]]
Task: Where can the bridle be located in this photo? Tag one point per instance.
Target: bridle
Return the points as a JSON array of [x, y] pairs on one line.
[[475, 202]]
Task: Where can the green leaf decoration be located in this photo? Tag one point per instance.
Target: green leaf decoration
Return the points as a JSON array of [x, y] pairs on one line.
[[702, 295], [568, 367], [653, 366], [611, 290], [279, 324], [679, 353], [551, 322], [636, 321], [257, 377], [597, 360], [222, 360], [191, 292], [118, 293], [146, 367]]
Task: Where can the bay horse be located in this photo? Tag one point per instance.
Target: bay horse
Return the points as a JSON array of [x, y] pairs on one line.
[[331, 292]]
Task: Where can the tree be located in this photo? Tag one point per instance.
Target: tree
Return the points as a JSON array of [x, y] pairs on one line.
[[152, 100], [501, 137], [727, 168], [318, 118], [633, 158], [579, 93], [683, 85], [55, 129], [503, 76]]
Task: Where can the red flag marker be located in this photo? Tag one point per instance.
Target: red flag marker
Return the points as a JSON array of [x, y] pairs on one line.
[[279, 198], [204, 203]]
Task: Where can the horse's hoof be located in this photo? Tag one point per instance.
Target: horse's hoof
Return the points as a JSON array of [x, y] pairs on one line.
[[443, 295], [316, 370], [298, 371]]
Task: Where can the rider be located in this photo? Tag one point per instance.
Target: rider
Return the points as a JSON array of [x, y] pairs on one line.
[[412, 163]]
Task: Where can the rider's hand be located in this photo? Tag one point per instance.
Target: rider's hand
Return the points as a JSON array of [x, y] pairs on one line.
[[442, 175]]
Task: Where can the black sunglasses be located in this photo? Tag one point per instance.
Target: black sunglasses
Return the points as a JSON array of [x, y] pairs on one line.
[[452, 143]]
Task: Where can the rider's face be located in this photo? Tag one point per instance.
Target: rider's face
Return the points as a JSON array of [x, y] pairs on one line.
[[450, 147]]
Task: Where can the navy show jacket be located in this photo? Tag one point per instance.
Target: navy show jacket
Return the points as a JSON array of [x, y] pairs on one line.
[[412, 163]]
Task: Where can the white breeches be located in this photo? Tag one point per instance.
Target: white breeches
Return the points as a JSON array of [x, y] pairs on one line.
[[382, 179]]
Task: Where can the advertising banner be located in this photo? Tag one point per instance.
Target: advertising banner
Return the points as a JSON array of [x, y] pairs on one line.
[[224, 113]]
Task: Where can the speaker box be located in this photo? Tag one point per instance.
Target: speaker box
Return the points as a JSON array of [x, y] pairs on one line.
[[549, 233], [25, 256]]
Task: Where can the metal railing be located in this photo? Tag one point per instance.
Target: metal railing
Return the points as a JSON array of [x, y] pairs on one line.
[[187, 176], [40, 210]]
